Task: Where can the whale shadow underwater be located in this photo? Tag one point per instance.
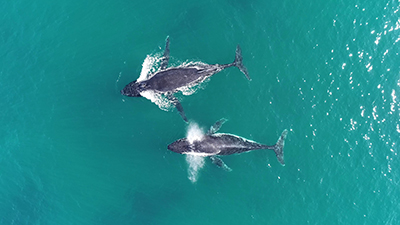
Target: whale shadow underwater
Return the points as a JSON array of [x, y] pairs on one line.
[[169, 80], [213, 144]]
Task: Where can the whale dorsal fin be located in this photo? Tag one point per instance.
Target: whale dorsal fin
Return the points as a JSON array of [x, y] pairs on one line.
[[164, 62], [218, 161], [217, 125]]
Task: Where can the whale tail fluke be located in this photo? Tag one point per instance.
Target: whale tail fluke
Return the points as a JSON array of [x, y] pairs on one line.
[[239, 62], [278, 147]]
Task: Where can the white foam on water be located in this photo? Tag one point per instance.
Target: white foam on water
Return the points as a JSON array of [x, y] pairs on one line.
[[157, 98], [187, 90], [199, 84], [194, 133], [149, 66], [196, 64], [195, 164]]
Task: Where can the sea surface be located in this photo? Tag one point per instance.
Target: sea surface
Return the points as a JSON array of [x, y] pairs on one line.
[[73, 150]]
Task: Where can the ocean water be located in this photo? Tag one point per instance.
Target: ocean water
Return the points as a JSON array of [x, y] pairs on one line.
[[73, 150]]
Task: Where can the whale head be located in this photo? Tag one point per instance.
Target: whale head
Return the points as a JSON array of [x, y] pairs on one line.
[[133, 89], [181, 146]]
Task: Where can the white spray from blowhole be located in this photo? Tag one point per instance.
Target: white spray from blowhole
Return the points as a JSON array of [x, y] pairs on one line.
[[195, 162], [194, 133]]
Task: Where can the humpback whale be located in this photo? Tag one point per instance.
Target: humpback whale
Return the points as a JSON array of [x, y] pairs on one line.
[[214, 144], [169, 80]]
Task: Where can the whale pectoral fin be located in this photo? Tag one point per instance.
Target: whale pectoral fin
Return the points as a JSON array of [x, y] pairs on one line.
[[164, 62], [178, 105], [217, 125], [218, 161]]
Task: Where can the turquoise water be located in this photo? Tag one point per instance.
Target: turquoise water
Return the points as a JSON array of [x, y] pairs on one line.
[[74, 151]]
